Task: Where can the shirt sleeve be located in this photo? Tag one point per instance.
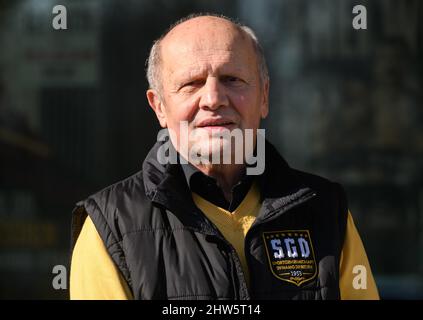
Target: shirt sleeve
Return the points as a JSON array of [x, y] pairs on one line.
[[356, 278], [93, 274]]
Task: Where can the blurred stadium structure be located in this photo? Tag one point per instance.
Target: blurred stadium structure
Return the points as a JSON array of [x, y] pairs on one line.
[[345, 104]]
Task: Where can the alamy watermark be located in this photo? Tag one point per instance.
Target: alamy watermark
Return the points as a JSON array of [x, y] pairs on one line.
[[360, 20], [223, 146], [60, 21], [360, 280], [60, 280]]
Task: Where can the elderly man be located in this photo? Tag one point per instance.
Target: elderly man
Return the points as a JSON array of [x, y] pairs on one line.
[[209, 229]]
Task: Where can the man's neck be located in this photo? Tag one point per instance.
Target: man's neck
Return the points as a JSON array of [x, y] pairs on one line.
[[226, 175]]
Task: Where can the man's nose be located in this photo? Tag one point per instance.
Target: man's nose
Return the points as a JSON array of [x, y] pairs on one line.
[[213, 95]]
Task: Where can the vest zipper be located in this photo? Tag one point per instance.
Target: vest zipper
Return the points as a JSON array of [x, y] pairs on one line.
[[235, 265], [236, 271]]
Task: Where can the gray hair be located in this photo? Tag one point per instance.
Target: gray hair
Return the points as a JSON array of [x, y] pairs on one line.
[[154, 59]]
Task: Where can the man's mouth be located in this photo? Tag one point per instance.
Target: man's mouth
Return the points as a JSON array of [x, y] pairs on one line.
[[216, 124]]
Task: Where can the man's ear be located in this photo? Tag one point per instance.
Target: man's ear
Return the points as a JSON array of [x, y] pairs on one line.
[[155, 102], [264, 108]]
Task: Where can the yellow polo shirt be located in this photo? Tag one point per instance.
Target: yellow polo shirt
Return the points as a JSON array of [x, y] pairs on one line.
[[95, 276]]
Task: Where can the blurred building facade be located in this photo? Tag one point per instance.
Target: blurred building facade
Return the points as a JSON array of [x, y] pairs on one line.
[[344, 103]]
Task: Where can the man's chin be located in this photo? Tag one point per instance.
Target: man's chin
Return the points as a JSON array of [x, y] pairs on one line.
[[214, 150], [213, 144]]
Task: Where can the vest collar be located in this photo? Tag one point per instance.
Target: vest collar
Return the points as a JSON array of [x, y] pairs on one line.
[[166, 185], [280, 186]]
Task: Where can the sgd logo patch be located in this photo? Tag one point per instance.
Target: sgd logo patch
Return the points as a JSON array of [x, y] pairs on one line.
[[291, 255]]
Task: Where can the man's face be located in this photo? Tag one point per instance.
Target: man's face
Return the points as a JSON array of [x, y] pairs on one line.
[[210, 79]]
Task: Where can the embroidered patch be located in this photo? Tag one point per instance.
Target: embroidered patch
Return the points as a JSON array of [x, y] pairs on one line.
[[291, 255]]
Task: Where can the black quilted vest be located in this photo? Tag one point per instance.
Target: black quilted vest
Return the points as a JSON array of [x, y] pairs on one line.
[[166, 248]]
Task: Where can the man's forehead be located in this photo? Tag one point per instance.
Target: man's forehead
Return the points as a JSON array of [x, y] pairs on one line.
[[202, 33], [200, 25], [207, 45], [196, 62]]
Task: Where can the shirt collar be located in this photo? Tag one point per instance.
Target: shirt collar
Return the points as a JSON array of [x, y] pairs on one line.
[[207, 187]]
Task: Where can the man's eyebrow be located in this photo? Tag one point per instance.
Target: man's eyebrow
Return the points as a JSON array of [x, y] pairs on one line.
[[191, 73], [201, 72]]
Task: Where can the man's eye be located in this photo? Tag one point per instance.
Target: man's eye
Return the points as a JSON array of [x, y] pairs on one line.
[[194, 83], [231, 79]]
